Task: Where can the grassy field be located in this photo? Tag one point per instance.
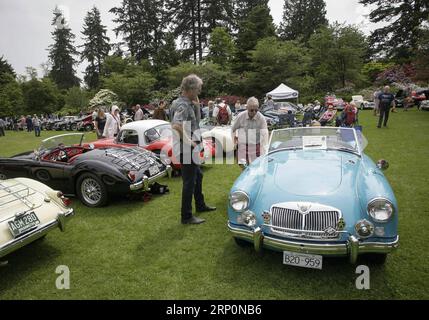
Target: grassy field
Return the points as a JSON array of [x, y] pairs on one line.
[[139, 250]]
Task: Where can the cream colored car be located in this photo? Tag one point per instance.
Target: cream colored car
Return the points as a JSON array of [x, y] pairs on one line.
[[28, 211]]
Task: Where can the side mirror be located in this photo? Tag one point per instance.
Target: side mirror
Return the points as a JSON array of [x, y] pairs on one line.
[[382, 164]]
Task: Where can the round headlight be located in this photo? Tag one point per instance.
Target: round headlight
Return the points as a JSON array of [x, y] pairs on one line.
[[381, 210], [239, 201]]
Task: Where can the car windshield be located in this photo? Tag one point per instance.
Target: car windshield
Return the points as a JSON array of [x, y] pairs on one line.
[[164, 131], [64, 140], [316, 138]]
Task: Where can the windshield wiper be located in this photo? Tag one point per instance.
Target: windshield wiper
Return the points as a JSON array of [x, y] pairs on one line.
[[313, 145], [345, 150]]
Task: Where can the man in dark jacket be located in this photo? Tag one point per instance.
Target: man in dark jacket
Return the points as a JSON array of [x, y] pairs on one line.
[[387, 101]]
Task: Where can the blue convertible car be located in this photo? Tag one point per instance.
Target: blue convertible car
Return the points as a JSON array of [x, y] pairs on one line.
[[315, 194]]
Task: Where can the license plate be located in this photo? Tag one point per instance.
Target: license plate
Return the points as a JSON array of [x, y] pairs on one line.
[[153, 170], [23, 224], [302, 260]]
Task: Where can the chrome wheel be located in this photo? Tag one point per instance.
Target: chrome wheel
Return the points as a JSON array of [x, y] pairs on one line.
[[91, 191]]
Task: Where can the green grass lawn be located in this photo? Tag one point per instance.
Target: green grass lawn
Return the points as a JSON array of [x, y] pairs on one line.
[[139, 250]]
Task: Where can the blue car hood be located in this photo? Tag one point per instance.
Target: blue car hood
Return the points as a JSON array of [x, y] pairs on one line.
[[310, 174], [307, 176]]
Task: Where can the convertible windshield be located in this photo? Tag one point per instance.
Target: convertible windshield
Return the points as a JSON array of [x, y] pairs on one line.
[[344, 139], [64, 140]]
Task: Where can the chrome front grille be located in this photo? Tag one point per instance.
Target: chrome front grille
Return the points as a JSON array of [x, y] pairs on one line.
[[314, 224]]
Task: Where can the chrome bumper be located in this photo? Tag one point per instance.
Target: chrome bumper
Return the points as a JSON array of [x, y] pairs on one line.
[[352, 248], [146, 181], [37, 233]]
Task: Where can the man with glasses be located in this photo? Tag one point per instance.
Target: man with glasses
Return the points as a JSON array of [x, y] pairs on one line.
[[252, 131]]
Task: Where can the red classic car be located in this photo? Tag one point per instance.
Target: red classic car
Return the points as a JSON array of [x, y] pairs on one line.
[[153, 135]]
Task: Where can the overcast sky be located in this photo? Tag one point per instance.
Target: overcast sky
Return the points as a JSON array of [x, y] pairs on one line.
[[25, 25]]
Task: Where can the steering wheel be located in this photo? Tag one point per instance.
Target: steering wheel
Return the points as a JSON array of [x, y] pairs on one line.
[[62, 156]]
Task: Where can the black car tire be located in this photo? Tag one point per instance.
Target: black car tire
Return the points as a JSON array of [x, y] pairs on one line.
[[2, 176], [97, 196], [242, 243], [73, 127], [88, 128], [63, 127]]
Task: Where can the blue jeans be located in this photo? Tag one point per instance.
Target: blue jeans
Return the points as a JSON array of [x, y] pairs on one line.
[[37, 131]]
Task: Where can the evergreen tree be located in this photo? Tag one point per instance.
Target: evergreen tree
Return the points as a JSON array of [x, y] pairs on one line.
[[216, 13], [301, 18], [141, 24], [184, 16], [61, 53], [11, 98], [5, 67], [167, 56], [399, 38], [422, 61], [257, 25], [242, 8], [222, 47], [95, 48]]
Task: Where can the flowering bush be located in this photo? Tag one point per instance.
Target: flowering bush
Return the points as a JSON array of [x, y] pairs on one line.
[[229, 100], [105, 98], [397, 74]]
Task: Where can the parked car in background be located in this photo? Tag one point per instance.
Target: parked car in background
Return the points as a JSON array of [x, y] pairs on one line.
[[86, 124], [400, 97], [338, 103], [73, 124], [361, 103], [127, 116], [50, 124], [420, 96], [64, 163], [424, 105], [315, 194], [153, 135], [63, 124], [28, 211]]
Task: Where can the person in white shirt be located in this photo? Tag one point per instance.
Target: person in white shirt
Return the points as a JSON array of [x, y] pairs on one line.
[[113, 123], [94, 114], [252, 135], [139, 115]]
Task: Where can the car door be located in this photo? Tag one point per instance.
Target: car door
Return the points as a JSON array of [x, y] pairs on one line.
[[50, 172]]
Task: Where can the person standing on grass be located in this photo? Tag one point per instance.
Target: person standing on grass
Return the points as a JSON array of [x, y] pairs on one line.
[[113, 123], [377, 103], [36, 125], [29, 123], [222, 113], [2, 127], [100, 123], [387, 101], [159, 112], [185, 118], [252, 133], [138, 115]]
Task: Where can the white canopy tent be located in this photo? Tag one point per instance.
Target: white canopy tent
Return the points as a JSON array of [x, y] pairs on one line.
[[283, 92]]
